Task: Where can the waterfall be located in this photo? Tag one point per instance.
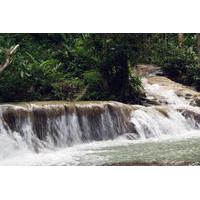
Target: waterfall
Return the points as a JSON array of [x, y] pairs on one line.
[[35, 126], [152, 122], [55, 125]]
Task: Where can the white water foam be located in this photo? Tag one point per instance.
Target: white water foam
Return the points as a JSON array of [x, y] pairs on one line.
[[167, 96]]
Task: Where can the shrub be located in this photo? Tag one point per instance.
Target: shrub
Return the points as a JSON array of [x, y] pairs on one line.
[[136, 89], [94, 83], [92, 77], [67, 89], [24, 81], [178, 62]]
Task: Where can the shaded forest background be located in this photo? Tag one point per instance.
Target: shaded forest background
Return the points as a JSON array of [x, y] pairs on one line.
[[93, 66]]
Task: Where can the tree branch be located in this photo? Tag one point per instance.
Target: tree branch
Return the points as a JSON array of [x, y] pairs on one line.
[[8, 58]]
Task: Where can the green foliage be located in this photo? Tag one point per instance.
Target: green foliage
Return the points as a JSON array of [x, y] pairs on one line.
[[193, 76], [179, 62], [92, 66], [135, 85], [67, 89], [111, 55], [29, 81], [92, 77], [38, 71], [94, 82]]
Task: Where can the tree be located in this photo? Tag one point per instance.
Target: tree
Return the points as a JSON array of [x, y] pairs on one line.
[[198, 45], [67, 66], [114, 54]]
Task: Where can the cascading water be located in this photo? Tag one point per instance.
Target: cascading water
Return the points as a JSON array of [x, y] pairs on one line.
[[174, 115], [35, 128], [152, 123], [59, 125]]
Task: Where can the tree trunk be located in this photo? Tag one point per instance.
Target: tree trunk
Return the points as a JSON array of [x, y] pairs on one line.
[[122, 77], [180, 39]]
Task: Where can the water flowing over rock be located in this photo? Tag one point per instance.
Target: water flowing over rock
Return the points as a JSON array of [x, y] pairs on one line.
[[65, 124], [61, 124], [37, 126], [165, 91]]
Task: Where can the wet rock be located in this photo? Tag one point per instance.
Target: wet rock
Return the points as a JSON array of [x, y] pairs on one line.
[[187, 93], [190, 114], [148, 70], [197, 101], [163, 111], [131, 136]]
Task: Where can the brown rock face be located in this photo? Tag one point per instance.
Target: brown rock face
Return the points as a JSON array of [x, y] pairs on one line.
[[146, 70], [191, 114]]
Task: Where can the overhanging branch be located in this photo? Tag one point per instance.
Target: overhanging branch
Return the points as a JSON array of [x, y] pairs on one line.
[[8, 58]]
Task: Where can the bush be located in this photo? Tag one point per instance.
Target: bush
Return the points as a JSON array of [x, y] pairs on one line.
[[67, 89], [23, 81], [178, 64], [92, 77], [193, 76], [94, 83], [136, 89]]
